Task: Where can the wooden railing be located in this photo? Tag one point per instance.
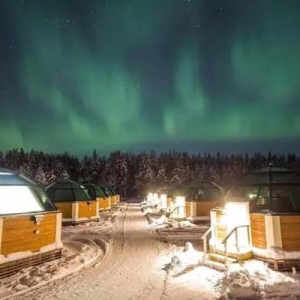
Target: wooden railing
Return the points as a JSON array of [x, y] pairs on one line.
[[171, 212], [204, 238], [234, 230]]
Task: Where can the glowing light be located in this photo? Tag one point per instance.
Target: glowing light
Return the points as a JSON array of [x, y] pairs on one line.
[[156, 199], [180, 205], [237, 214], [18, 199], [163, 199], [150, 197]]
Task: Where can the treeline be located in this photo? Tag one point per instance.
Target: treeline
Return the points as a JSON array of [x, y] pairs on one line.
[[133, 174]]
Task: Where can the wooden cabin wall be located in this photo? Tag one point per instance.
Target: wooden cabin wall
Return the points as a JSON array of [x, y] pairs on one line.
[[258, 230], [66, 209], [113, 199], [203, 208], [86, 210], [104, 202], [221, 228], [290, 232], [188, 208], [22, 233]]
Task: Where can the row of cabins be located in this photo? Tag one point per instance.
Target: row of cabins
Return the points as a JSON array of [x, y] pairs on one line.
[[193, 201], [31, 217], [257, 217], [81, 203]]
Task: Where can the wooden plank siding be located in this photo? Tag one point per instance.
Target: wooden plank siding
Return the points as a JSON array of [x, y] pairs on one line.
[[113, 199], [169, 202], [21, 233], [65, 208], [221, 228], [87, 209], [258, 231], [203, 208], [290, 232], [104, 202], [188, 208], [221, 232]]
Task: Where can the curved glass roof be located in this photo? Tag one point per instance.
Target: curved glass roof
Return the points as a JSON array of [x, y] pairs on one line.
[[276, 190], [20, 195], [200, 191], [94, 190], [262, 176], [67, 191], [8, 177]]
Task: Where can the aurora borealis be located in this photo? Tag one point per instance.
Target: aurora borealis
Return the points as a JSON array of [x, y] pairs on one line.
[[78, 75]]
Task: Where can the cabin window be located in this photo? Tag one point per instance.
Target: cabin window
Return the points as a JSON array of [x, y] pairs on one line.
[[295, 196], [99, 193], [43, 197], [18, 199], [199, 195], [281, 201], [102, 192], [212, 194], [262, 202], [107, 191], [91, 192], [63, 194], [242, 193]]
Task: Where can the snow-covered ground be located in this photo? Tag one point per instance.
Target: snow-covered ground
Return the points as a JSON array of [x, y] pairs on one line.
[[128, 256]]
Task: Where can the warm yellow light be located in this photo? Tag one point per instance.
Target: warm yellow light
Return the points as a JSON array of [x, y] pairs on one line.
[[180, 204], [231, 209], [150, 197], [237, 215], [163, 199], [156, 198], [18, 199], [180, 201]]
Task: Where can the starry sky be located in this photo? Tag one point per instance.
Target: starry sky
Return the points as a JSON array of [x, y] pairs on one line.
[[189, 75]]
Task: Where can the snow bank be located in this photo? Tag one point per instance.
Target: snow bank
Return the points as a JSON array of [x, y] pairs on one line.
[[248, 280]]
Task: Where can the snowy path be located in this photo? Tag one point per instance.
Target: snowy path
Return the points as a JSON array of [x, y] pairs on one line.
[[134, 267], [127, 271]]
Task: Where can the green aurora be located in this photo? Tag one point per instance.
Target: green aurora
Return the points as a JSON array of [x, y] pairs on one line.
[[115, 75]]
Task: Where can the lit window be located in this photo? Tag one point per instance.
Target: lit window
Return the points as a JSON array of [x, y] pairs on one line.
[[18, 199]]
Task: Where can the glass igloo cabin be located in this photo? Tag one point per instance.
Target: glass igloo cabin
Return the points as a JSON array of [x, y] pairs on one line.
[[202, 197], [73, 201], [30, 224], [261, 219], [98, 193]]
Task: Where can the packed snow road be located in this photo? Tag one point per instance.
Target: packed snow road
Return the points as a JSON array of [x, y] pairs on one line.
[[128, 270]]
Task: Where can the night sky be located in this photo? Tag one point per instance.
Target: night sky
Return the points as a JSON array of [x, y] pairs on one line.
[[194, 75]]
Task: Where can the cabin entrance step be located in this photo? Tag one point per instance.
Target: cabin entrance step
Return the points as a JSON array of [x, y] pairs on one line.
[[241, 254], [221, 258]]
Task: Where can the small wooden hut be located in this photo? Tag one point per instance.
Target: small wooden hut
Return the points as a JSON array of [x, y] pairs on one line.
[[30, 224], [97, 192], [261, 220], [167, 195], [113, 196], [201, 198], [73, 201]]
